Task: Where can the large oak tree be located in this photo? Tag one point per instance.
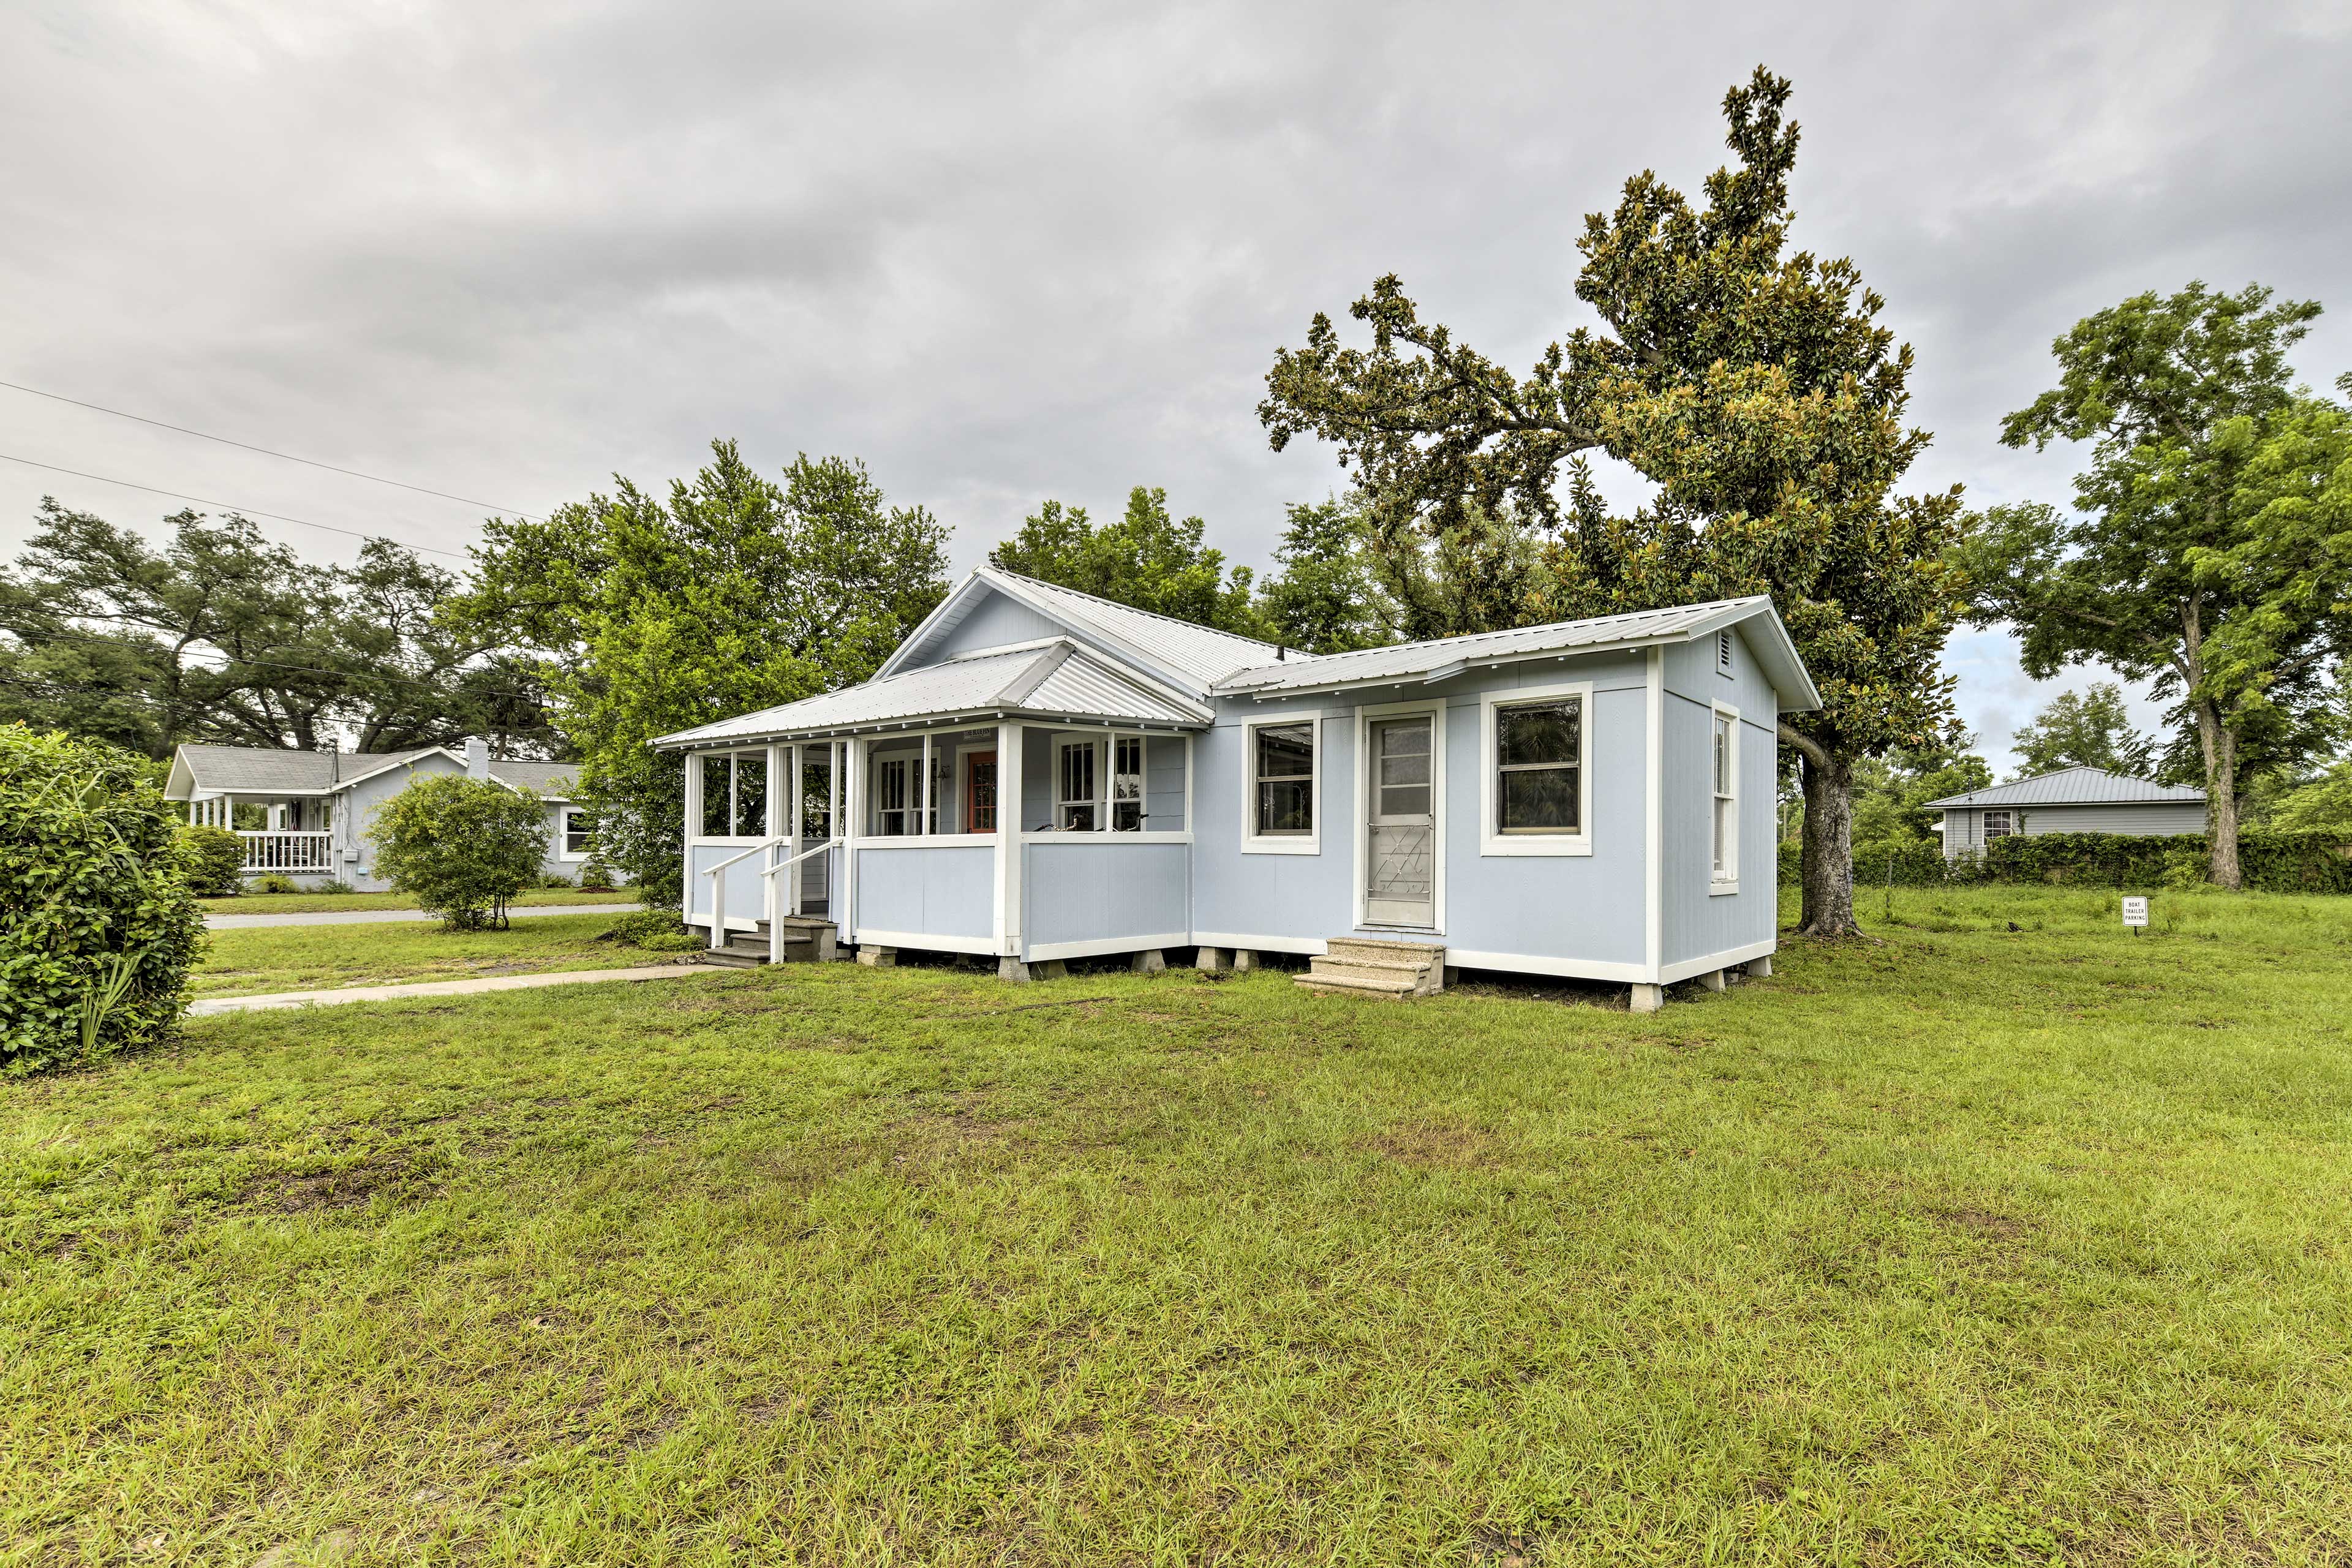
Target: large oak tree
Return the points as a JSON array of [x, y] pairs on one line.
[[1752, 384]]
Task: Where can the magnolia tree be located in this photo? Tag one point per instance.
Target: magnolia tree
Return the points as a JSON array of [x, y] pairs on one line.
[[463, 847], [1752, 385]]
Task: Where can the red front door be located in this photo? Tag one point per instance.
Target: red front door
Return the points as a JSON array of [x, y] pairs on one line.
[[980, 792]]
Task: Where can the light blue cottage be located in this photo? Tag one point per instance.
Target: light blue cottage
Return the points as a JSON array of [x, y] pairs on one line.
[[1038, 776]]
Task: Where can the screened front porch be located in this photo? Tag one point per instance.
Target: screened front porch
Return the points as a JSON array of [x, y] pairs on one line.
[[290, 833]]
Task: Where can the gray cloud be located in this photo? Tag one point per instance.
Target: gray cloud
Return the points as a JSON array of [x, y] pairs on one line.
[[1007, 253]]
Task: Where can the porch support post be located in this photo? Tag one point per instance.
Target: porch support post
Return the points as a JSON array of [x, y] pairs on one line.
[[776, 802], [797, 813], [1008, 848], [853, 806], [924, 825], [693, 825]]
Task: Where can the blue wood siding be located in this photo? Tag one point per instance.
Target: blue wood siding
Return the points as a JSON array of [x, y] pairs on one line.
[[1699, 922], [1104, 890], [939, 891]]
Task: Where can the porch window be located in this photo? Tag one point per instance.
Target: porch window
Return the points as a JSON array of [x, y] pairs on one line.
[[1727, 796], [1127, 784], [1998, 824], [1074, 787], [1539, 766], [1283, 762], [892, 815]]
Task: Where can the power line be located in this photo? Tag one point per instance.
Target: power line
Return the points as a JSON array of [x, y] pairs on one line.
[[231, 506], [288, 456], [417, 681]]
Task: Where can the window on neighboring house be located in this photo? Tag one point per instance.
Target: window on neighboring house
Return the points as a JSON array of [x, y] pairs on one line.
[[1727, 796], [1073, 788], [1282, 769], [1998, 824], [892, 815], [1127, 784], [1540, 767], [575, 833]]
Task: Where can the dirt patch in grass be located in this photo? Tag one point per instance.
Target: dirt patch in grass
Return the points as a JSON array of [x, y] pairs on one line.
[[1438, 1144], [393, 1173]]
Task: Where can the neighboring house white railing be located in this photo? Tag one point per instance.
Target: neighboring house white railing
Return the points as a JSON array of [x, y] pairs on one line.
[[266, 851]]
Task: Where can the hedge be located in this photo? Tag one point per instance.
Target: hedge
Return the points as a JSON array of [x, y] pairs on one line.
[[215, 861], [2311, 860], [98, 925]]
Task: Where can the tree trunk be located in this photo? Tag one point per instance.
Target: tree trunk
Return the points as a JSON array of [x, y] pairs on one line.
[[2220, 752], [1825, 859]]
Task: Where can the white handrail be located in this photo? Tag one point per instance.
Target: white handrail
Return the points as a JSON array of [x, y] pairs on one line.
[[718, 874], [776, 926], [812, 849]]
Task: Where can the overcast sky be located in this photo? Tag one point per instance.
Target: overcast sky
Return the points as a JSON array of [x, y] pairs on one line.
[[1004, 252]]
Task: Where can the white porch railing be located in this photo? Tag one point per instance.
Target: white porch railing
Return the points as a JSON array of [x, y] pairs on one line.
[[770, 894], [266, 851]]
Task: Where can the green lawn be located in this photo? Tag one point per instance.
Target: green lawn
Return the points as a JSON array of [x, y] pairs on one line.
[[1966, 1246], [322, 903], [307, 958]]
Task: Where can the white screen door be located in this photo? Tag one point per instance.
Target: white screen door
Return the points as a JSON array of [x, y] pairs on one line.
[[1400, 859]]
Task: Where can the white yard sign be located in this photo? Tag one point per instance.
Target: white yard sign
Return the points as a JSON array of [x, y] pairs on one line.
[[2134, 911]]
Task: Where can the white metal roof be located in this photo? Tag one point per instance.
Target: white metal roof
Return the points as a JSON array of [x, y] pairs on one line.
[[1442, 659], [2074, 787], [205, 770], [1056, 678], [1189, 656]]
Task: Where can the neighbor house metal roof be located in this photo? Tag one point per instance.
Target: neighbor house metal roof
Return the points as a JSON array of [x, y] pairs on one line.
[[1442, 659], [2073, 786], [1055, 678], [255, 770]]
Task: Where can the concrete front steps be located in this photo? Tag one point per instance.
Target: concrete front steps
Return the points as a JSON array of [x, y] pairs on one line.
[[1366, 967], [807, 940]]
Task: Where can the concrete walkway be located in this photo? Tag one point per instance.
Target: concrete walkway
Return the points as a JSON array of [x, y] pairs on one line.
[[440, 988], [381, 917]]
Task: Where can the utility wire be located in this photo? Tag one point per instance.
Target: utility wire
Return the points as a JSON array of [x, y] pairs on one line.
[[288, 456], [125, 638], [240, 511]]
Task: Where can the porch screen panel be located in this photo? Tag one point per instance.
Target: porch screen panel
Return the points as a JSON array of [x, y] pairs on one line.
[[717, 792], [1127, 784], [1075, 801], [750, 797]]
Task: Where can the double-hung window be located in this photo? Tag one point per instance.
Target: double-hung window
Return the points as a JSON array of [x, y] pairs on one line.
[[575, 833], [1127, 784], [1074, 787], [893, 809], [1282, 763], [1725, 803], [1538, 789], [1998, 824]]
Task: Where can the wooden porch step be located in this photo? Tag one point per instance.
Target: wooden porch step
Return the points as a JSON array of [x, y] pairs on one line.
[[1327, 981], [747, 950]]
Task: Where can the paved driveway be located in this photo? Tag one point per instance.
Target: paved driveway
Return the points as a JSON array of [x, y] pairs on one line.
[[381, 916]]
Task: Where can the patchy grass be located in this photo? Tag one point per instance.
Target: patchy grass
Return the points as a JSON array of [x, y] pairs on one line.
[[308, 958], [329, 904], [1964, 1247]]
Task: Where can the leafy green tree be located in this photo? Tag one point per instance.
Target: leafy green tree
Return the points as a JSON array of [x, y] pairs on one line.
[[1892, 792], [214, 859], [220, 635], [1326, 596], [1146, 558], [2187, 560], [641, 616], [464, 846], [1752, 384], [2084, 730], [2323, 802]]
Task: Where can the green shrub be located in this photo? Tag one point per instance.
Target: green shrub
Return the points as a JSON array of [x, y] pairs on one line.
[[334, 885], [214, 858], [275, 882], [98, 924], [464, 846], [599, 878], [551, 880], [655, 930]]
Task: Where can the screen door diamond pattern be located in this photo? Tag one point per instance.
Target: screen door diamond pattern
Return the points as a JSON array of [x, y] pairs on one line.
[[1401, 867]]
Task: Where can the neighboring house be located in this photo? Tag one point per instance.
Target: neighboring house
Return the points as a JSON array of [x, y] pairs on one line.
[[2071, 800], [315, 805], [1037, 774]]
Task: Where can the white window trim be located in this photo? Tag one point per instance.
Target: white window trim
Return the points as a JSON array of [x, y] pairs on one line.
[[1490, 841], [1253, 841], [1438, 757], [562, 817], [1719, 886]]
